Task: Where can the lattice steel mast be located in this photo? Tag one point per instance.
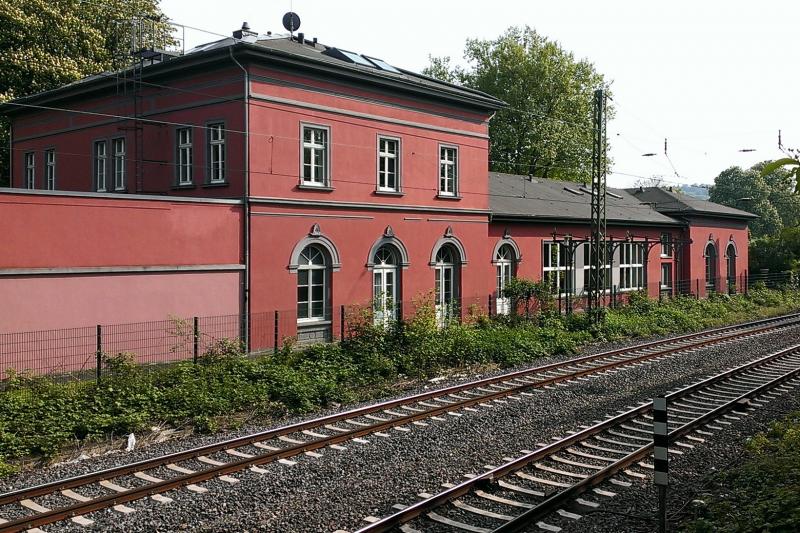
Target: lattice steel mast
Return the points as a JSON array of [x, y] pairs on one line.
[[597, 245]]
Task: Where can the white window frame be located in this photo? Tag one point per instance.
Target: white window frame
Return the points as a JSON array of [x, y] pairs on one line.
[[587, 268], [631, 267], [215, 135], [666, 238], [446, 282], [313, 147], [504, 272], [666, 286], [557, 271], [100, 166], [120, 160], [383, 162], [385, 275], [30, 170], [448, 186], [50, 169], [310, 318], [184, 152]]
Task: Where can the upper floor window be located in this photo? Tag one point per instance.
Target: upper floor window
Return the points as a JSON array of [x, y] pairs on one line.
[[315, 156], [50, 170], [666, 245], [216, 153], [448, 170], [30, 170], [118, 145], [631, 266], [388, 164], [100, 157], [184, 156]]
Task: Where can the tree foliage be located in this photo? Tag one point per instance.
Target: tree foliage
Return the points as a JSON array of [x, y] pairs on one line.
[[768, 196], [47, 43], [546, 130]]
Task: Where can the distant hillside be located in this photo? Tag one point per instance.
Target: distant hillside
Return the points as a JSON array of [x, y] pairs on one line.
[[696, 191]]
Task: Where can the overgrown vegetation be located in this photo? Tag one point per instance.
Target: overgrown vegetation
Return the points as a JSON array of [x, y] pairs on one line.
[[38, 416], [763, 494]]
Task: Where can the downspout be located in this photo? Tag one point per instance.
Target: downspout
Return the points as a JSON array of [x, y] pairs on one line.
[[10, 154], [246, 206]]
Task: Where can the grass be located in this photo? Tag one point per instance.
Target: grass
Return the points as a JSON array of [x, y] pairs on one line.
[[763, 493], [39, 417]]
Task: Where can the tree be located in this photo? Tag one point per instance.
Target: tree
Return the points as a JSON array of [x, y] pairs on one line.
[[48, 43], [546, 130], [768, 196]]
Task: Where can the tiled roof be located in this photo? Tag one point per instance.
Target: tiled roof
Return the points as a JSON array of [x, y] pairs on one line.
[[675, 203], [513, 196]]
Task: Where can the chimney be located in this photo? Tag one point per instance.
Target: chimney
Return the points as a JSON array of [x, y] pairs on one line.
[[301, 38], [245, 34]]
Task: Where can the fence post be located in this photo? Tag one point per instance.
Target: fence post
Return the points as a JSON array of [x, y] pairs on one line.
[[697, 288], [99, 353], [341, 322], [275, 339], [746, 283], [196, 347], [489, 309]]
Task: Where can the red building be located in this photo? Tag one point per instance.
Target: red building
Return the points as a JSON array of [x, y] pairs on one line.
[[268, 173]]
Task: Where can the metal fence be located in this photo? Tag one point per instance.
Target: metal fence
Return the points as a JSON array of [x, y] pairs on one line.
[[81, 353]]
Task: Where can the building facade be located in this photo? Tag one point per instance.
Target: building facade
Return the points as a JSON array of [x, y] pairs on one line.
[[267, 173]]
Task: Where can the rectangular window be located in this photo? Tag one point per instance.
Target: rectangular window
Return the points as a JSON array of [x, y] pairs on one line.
[[315, 156], [311, 294], [554, 263], [666, 276], [50, 170], [183, 138], [30, 170], [118, 145], [666, 245], [631, 266], [588, 266], [216, 153], [448, 170], [388, 164], [100, 157]]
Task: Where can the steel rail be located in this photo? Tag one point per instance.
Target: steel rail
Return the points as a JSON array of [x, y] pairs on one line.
[[709, 337], [424, 506]]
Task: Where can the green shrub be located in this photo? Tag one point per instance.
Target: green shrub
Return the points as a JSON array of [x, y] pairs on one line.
[[39, 416]]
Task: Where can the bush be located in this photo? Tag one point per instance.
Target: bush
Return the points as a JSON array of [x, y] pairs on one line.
[[38, 416]]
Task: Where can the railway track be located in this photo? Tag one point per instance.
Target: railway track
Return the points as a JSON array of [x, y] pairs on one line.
[[73, 498], [560, 481]]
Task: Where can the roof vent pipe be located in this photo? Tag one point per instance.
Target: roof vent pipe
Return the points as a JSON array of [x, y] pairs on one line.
[[301, 38]]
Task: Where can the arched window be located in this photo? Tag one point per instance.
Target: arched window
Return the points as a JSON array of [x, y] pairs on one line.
[[711, 267], [447, 267], [386, 284], [505, 263], [313, 278], [730, 254]]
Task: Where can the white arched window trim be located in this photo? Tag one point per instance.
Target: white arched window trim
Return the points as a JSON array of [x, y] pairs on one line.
[[319, 240], [509, 241], [455, 243], [731, 243], [394, 242]]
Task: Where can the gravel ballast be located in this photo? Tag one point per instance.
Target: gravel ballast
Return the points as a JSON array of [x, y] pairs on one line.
[[337, 490]]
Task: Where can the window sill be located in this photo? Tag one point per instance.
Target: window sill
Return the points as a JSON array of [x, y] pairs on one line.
[[216, 184], [665, 256], [322, 188], [313, 322], [389, 193], [184, 186], [448, 197]]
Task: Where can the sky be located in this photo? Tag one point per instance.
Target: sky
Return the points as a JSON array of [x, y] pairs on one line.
[[712, 77]]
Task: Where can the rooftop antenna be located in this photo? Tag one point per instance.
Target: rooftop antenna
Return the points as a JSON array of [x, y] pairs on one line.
[[291, 21]]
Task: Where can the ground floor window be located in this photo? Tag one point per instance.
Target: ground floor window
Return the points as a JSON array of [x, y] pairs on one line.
[[631, 266], [504, 264], [666, 277], [446, 273], [385, 285], [312, 294]]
